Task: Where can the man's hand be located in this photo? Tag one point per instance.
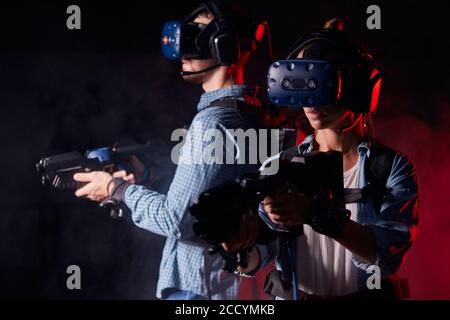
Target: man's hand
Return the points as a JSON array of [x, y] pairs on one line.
[[246, 235], [244, 239], [123, 174], [99, 185], [139, 170], [287, 208]]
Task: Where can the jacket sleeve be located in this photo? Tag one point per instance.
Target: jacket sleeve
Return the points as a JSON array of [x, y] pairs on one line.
[[395, 227]]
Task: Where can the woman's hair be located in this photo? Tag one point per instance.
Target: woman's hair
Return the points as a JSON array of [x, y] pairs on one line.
[[334, 24]]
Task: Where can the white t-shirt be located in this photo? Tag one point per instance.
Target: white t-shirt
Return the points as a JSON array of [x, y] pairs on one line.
[[324, 266]]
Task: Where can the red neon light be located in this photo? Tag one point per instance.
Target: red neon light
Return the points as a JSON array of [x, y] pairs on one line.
[[375, 91], [338, 95], [260, 31]]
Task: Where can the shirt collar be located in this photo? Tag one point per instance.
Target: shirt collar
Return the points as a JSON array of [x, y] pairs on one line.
[[307, 146], [237, 90]]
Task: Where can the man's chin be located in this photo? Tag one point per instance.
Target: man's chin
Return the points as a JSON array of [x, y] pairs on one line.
[[193, 78], [198, 78]]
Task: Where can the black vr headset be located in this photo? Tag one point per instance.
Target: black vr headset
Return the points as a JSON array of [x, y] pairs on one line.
[[218, 40], [334, 70]]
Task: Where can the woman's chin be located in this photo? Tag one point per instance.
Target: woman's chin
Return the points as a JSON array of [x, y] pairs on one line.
[[317, 124]]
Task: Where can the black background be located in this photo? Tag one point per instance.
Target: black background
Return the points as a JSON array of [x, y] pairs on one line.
[[63, 90]]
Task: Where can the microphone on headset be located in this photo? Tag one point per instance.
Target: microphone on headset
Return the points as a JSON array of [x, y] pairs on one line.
[[188, 73]]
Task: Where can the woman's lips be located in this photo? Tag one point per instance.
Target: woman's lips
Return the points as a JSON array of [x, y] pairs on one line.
[[314, 113]]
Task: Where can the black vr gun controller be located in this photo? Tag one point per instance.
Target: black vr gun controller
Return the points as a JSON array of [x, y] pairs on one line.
[[218, 211], [58, 170]]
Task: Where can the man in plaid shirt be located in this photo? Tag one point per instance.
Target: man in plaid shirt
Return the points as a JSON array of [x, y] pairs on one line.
[[187, 271]]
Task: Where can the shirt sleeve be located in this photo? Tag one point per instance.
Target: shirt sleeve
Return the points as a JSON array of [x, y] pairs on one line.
[[168, 215], [395, 227]]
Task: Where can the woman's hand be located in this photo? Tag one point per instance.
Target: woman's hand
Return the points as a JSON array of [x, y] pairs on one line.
[[287, 208]]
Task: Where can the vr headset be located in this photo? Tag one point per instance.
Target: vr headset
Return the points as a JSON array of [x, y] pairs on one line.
[[217, 40], [301, 83], [350, 79]]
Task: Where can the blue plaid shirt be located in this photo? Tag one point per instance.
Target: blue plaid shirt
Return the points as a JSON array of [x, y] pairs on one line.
[[185, 263]]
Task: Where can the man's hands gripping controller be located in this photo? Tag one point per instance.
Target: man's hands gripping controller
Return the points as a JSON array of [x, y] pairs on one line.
[[223, 219]]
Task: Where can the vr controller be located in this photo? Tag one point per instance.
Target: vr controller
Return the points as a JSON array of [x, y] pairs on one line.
[[304, 83], [218, 211], [58, 170]]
